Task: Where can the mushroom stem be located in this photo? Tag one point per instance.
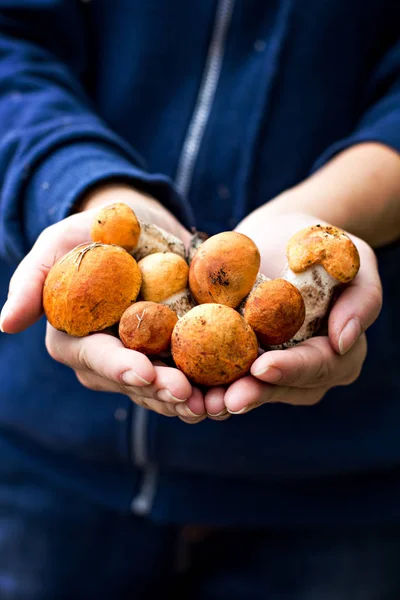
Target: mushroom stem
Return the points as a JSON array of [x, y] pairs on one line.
[[180, 303], [154, 239], [317, 288]]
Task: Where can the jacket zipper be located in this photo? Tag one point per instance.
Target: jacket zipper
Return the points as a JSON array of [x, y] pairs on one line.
[[205, 98], [142, 502]]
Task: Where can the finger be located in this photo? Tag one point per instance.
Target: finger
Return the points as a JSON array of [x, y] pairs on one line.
[[215, 405], [311, 364], [96, 383], [24, 303], [193, 421], [249, 393], [161, 408], [358, 305], [102, 354], [170, 385], [193, 408]]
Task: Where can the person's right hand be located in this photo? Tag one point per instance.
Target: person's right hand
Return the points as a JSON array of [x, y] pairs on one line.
[[100, 360]]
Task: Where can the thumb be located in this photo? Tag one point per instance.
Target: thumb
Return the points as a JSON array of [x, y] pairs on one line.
[[24, 304]]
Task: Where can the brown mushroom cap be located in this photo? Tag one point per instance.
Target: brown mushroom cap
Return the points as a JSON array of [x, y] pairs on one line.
[[224, 269], [213, 345], [163, 275], [325, 245], [147, 327], [89, 288], [116, 224], [275, 310]]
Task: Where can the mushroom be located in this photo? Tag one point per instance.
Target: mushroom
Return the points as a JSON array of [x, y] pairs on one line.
[[165, 280], [118, 224], [320, 258], [213, 345], [147, 327], [275, 311], [89, 288], [224, 269]]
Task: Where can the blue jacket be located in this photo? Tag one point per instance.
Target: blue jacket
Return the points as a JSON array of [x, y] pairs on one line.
[[214, 107]]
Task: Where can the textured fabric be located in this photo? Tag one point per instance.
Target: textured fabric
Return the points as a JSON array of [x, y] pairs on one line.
[[92, 91], [57, 545]]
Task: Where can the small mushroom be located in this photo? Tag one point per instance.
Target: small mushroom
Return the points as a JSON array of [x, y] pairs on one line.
[[320, 258], [213, 345], [224, 269], [275, 311], [165, 280], [147, 327], [118, 224], [89, 288]]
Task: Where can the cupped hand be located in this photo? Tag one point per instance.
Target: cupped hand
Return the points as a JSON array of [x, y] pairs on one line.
[[302, 375], [100, 361]]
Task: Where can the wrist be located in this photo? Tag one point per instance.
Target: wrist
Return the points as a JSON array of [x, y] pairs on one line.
[[107, 193]]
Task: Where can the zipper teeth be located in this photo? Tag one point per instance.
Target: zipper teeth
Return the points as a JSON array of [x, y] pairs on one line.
[[142, 503], [139, 451], [205, 98]]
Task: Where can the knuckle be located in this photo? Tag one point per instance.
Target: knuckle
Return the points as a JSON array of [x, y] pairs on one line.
[[52, 349], [83, 360]]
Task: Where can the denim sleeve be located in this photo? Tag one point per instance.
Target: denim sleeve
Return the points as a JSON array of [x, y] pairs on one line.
[[53, 146]]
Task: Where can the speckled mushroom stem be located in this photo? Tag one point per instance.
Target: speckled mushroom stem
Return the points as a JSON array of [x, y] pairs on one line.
[[317, 288], [154, 239]]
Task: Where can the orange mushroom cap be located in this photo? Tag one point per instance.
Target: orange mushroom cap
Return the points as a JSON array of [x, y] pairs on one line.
[[163, 275], [224, 269], [147, 327], [325, 245], [275, 310], [213, 345], [89, 288], [116, 224]]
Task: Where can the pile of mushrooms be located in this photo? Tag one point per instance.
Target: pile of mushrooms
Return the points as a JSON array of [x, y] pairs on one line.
[[209, 308]]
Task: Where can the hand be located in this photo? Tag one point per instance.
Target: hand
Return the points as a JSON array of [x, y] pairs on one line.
[[100, 361], [302, 375]]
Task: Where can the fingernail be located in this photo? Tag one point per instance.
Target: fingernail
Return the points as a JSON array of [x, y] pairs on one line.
[[166, 396], [350, 334], [132, 378], [220, 414], [184, 411], [239, 412], [269, 374], [4, 314]]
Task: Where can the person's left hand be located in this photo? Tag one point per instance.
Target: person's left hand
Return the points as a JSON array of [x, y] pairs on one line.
[[302, 375]]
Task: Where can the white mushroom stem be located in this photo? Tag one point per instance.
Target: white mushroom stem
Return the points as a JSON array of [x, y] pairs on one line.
[[154, 239], [180, 303], [317, 288]]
